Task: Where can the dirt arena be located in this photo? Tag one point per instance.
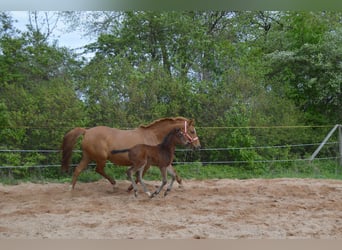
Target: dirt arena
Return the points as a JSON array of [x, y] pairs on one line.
[[210, 209]]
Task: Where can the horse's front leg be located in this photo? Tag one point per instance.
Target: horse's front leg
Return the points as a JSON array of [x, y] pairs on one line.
[[164, 181]]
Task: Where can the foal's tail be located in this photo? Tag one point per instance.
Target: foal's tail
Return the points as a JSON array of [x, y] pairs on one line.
[[68, 145], [120, 151]]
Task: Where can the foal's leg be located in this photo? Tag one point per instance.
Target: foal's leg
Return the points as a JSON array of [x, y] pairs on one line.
[[100, 170], [164, 181], [173, 174], [170, 168], [178, 178], [140, 173], [130, 177], [129, 189]]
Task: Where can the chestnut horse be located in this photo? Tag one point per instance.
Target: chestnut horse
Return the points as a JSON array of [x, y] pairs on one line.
[[99, 141], [160, 155]]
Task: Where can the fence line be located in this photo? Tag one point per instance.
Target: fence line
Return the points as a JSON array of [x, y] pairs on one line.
[[258, 161], [257, 147], [265, 127], [30, 150], [179, 150], [45, 159], [198, 127], [186, 162]]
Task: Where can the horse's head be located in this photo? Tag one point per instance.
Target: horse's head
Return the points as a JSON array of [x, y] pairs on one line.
[[164, 125], [190, 133]]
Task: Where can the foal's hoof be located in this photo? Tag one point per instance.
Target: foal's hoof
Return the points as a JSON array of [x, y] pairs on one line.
[[153, 195], [129, 189], [114, 187], [167, 192]]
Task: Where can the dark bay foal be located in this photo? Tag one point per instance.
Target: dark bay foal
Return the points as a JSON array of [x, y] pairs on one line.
[[160, 155]]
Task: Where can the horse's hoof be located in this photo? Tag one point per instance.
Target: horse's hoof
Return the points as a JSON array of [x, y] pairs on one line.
[[149, 194]]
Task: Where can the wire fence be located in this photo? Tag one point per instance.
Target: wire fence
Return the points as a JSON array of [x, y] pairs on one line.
[[186, 151], [272, 149]]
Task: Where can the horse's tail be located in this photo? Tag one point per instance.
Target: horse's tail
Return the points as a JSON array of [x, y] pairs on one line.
[[120, 151], [68, 145]]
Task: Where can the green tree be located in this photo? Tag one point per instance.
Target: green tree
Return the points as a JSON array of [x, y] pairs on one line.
[[38, 92], [306, 68]]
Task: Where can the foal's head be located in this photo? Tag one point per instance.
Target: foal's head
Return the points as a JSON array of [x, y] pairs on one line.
[[176, 136]]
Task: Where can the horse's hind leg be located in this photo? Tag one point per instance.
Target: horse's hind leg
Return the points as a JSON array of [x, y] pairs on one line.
[[100, 170], [80, 167]]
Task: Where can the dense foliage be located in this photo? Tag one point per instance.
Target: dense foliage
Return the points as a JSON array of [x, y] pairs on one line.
[[223, 68]]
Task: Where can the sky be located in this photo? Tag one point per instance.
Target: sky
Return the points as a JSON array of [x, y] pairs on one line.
[[71, 40]]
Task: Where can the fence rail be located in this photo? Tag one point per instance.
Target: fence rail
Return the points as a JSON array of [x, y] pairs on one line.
[[177, 150], [218, 162], [212, 154]]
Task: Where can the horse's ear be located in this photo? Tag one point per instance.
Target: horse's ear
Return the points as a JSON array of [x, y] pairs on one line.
[[191, 122]]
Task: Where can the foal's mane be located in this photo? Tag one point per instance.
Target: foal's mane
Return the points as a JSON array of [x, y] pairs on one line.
[[162, 120], [167, 137]]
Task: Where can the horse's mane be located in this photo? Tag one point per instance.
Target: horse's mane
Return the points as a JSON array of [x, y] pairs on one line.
[[163, 119]]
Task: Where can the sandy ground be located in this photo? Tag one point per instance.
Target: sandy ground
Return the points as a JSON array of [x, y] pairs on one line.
[[210, 209]]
